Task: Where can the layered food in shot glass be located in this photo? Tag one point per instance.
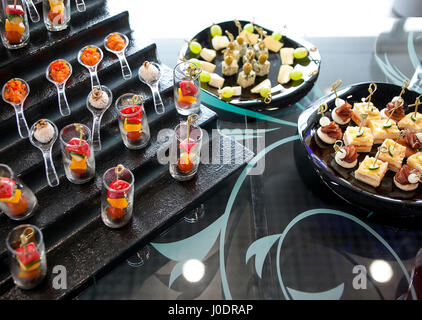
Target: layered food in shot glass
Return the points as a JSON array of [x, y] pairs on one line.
[[28, 262], [16, 29], [133, 122], [187, 142], [17, 201], [56, 14], [118, 191], [187, 88], [59, 71], [77, 153]]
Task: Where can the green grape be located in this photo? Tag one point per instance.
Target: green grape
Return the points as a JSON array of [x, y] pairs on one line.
[[216, 30], [227, 92], [296, 75], [277, 36], [249, 27], [205, 77], [264, 92], [195, 47], [300, 53], [196, 62]]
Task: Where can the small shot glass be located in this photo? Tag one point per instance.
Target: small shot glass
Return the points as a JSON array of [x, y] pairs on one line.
[[185, 152], [77, 153], [28, 264], [56, 14], [187, 89], [17, 201], [117, 196], [133, 123], [14, 26]]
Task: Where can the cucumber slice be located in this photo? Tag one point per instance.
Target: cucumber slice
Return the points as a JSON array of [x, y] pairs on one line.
[[16, 19], [413, 117], [374, 168], [77, 156], [360, 134], [386, 126], [390, 152]]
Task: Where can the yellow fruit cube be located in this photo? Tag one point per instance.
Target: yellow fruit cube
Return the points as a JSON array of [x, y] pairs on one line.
[[20, 28], [118, 203], [131, 127], [15, 199], [78, 165]]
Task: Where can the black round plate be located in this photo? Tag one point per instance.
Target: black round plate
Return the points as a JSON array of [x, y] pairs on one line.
[[387, 198], [281, 94]]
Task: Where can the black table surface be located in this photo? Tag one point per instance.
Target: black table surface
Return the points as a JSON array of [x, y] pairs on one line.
[[281, 233]]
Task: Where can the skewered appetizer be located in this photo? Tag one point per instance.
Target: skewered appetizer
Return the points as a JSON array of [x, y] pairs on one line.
[[329, 132], [407, 179], [12, 195], [371, 171], [412, 141], [415, 161], [14, 24], [56, 14], [347, 156], [394, 109], [342, 113], [394, 154], [117, 198], [228, 92], [383, 129], [360, 137], [260, 48], [79, 151], [262, 66], [246, 77], [412, 121], [362, 108], [229, 66]]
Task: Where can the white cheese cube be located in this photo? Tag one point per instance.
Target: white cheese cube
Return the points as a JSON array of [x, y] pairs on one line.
[[220, 42], [284, 74], [208, 54], [264, 84], [208, 66], [251, 38], [229, 70], [246, 80], [286, 55], [237, 91], [262, 69], [272, 44], [216, 81]]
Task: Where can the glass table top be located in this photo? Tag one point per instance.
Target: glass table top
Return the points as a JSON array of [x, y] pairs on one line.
[[276, 231]]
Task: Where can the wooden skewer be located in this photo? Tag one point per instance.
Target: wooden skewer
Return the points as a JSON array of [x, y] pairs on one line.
[[191, 120], [119, 171], [335, 86]]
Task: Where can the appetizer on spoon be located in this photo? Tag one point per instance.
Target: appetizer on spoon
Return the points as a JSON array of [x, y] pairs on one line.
[[58, 72], [90, 57], [43, 135], [150, 74], [117, 43], [15, 92], [98, 101]]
